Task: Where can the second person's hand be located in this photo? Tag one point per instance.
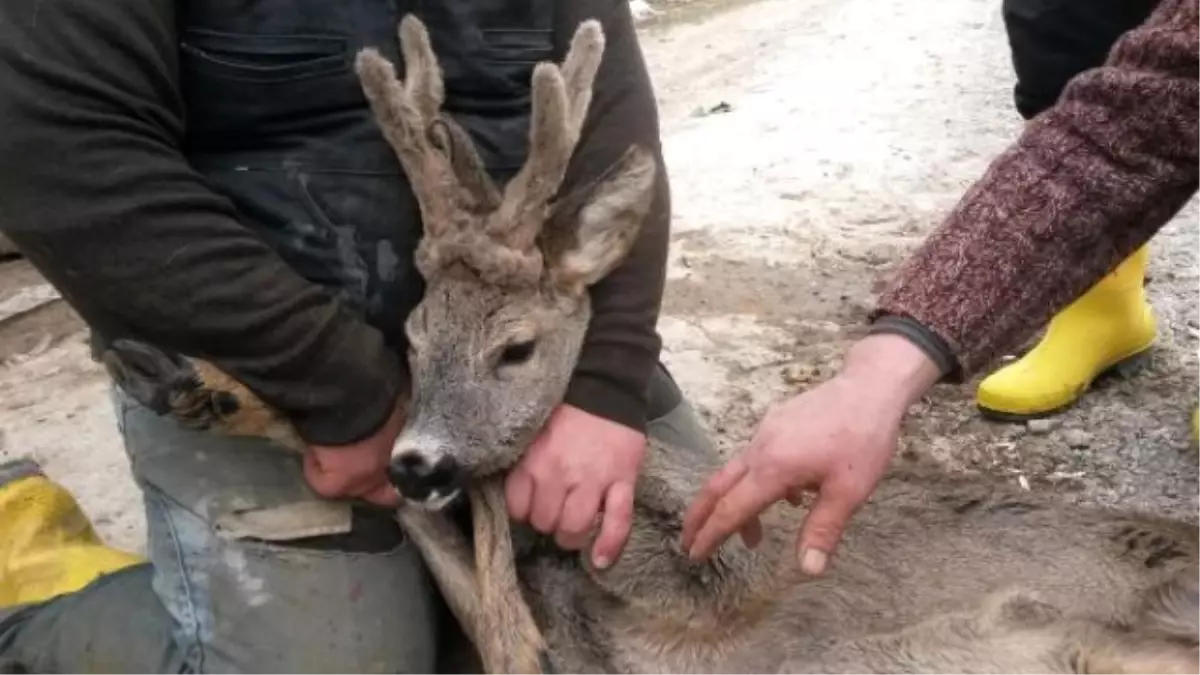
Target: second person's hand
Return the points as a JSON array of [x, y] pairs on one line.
[[836, 440]]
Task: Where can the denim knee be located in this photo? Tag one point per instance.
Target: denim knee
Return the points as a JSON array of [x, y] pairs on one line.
[[260, 574]]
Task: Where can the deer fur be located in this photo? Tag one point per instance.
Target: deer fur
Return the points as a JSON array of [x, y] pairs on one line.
[[935, 574]]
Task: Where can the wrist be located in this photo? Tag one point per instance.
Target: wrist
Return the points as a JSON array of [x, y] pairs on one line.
[[921, 336], [606, 399], [893, 367], [385, 431]]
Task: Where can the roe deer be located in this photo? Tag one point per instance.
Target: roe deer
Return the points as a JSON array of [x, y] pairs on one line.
[[935, 573]]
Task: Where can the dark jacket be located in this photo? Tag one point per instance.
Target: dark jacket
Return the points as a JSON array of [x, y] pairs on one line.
[[205, 175]]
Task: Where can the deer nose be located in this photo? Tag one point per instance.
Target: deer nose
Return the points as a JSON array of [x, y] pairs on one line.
[[420, 480]]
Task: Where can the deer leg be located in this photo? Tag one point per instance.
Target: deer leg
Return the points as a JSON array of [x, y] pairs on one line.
[[513, 634], [481, 591], [194, 393], [448, 556]]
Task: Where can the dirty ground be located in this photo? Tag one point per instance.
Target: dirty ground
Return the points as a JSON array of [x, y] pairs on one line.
[[811, 144]]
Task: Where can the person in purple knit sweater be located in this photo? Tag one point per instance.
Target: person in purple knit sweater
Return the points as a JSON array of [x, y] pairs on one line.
[[1088, 183]]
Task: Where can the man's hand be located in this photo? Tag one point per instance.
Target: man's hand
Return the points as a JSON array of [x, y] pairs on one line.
[[356, 470], [578, 466], [836, 440]]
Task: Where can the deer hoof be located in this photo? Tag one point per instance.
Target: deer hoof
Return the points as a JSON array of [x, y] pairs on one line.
[[166, 383], [148, 374]]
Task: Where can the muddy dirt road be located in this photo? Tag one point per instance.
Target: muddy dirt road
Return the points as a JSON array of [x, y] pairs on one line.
[[811, 143]]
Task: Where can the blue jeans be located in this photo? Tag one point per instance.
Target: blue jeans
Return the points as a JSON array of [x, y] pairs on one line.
[[251, 572]]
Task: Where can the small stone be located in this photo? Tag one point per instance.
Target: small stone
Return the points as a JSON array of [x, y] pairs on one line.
[[1077, 438], [1043, 426], [799, 374]]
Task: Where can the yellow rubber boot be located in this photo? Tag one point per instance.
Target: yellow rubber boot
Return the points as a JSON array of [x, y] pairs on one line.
[[47, 544], [1108, 325]]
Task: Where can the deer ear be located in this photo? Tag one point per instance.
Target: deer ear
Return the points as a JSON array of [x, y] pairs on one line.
[[593, 230]]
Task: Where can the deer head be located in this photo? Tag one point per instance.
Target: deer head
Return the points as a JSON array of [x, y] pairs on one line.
[[496, 337]]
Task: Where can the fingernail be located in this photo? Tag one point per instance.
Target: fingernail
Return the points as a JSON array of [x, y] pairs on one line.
[[812, 561], [601, 562]]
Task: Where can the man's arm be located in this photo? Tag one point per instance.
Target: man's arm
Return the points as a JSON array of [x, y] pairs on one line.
[[622, 345], [1089, 181], [95, 191]]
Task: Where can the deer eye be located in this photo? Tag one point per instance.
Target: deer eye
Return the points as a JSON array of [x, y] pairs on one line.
[[517, 353]]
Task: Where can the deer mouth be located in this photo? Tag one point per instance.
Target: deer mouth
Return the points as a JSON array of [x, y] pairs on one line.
[[437, 501]]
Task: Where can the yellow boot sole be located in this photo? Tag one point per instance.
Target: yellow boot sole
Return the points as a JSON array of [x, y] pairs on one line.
[[47, 545]]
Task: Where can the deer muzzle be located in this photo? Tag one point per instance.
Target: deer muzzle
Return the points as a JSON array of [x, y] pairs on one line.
[[429, 477]]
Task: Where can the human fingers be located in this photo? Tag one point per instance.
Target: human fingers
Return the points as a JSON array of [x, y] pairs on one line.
[[518, 494], [746, 500], [325, 482], [704, 503], [823, 528], [546, 507], [578, 514], [615, 525], [383, 495], [752, 532]]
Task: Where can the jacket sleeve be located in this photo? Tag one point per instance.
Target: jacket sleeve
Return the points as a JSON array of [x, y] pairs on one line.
[[1088, 182], [622, 345], [96, 192]]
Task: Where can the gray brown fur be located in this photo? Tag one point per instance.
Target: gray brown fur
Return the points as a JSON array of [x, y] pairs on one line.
[[936, 574]]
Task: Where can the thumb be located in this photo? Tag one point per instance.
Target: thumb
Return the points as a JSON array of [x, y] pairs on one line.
[[331, 481], [822, 530], [325, 483]]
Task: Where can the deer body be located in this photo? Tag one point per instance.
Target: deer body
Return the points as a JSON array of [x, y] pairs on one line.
[[926, 546], [935, 574]]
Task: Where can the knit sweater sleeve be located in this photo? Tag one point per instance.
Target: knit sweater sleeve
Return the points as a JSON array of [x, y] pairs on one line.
[[1087, 183]]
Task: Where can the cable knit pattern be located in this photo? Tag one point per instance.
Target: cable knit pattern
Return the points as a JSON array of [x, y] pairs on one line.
[[1088, 182]]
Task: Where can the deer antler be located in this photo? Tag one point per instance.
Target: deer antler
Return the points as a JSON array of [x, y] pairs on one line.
[[406, 113], [560, 104], [441, 163], [466, 218]]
